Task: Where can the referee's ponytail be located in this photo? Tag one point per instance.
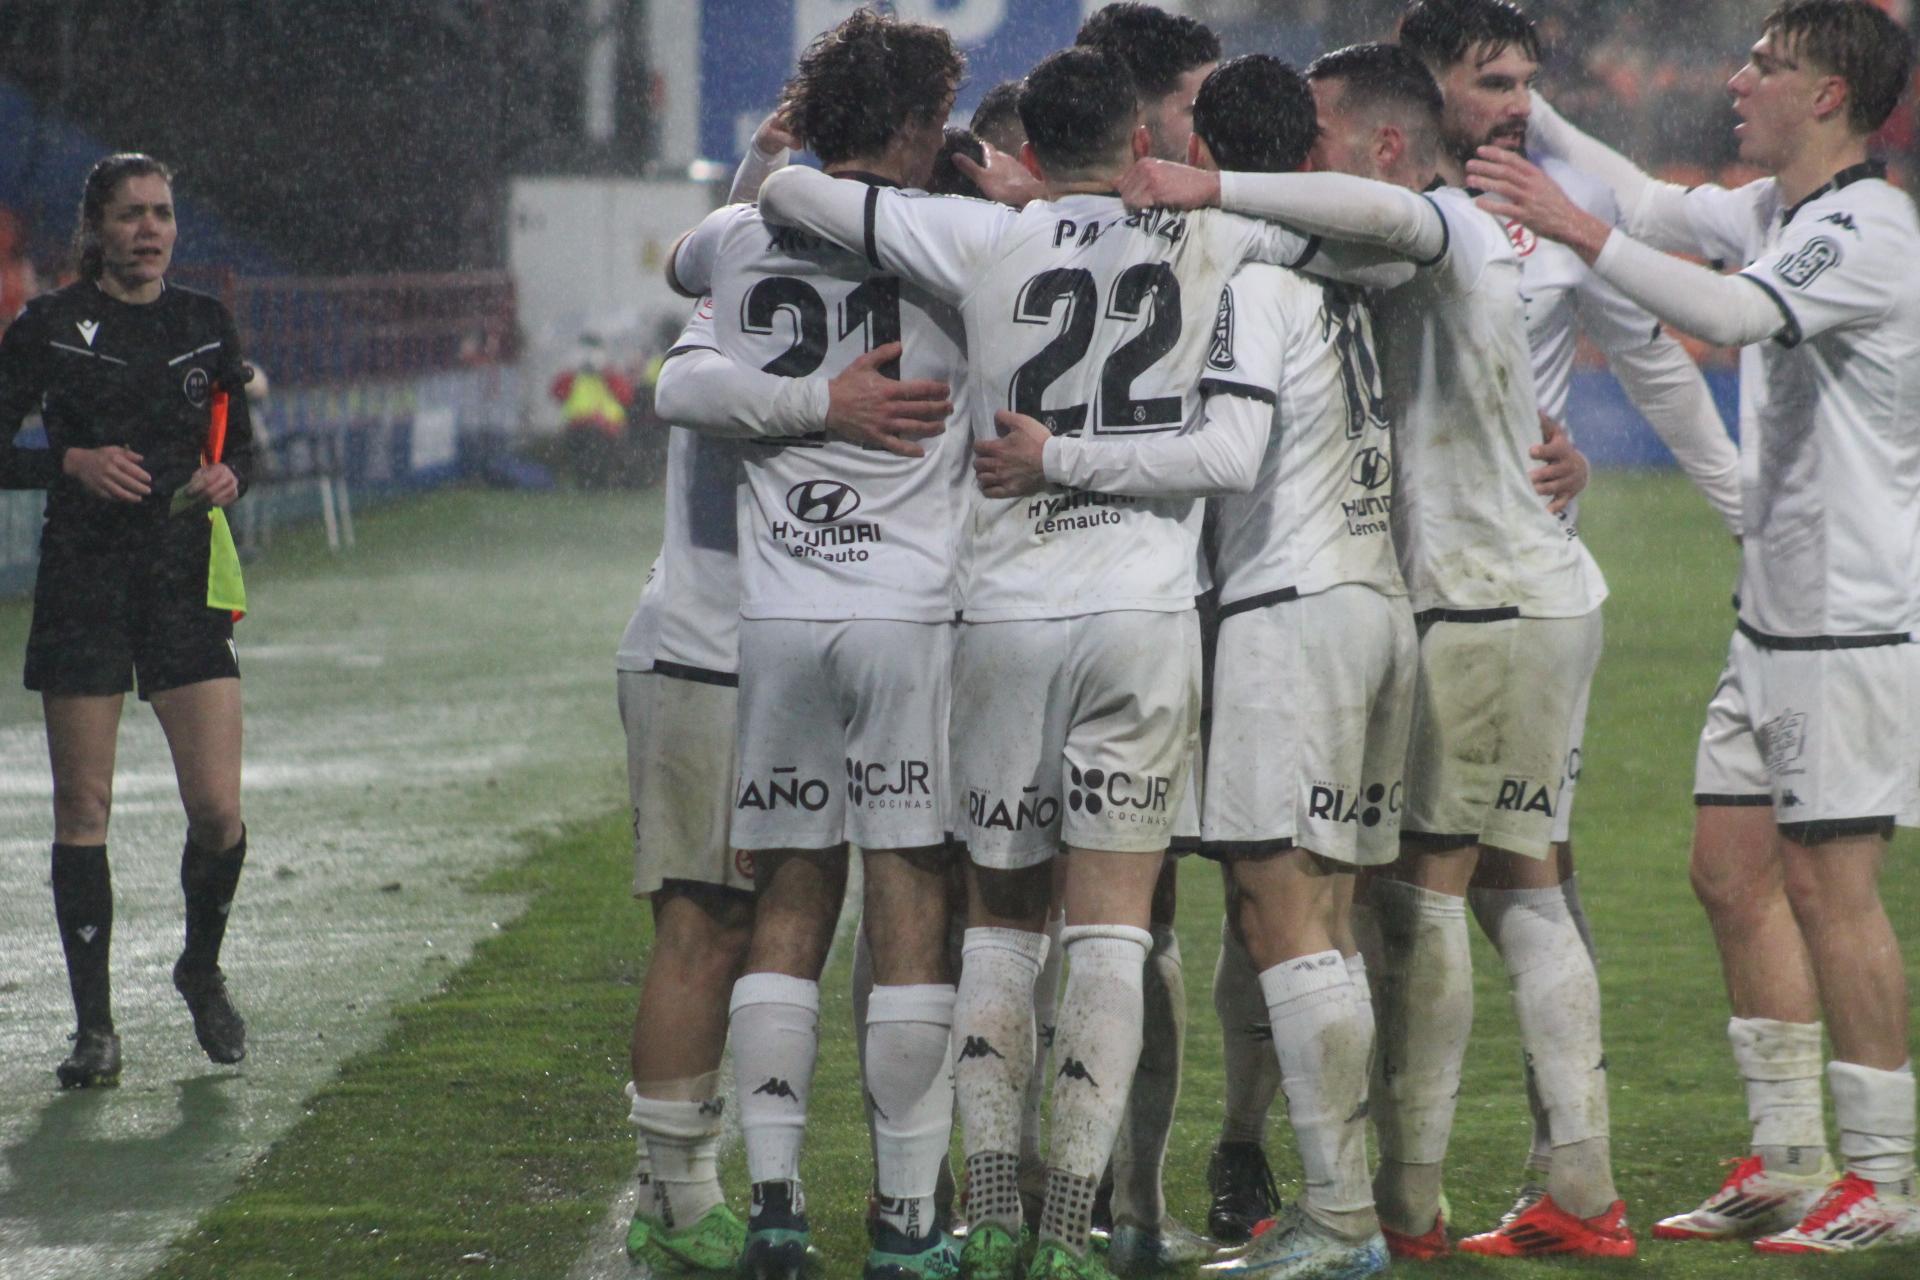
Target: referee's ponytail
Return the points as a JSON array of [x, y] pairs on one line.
[[103, 180]]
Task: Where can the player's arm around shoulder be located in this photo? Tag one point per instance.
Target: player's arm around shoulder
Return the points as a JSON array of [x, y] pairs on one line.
[[691, 261]]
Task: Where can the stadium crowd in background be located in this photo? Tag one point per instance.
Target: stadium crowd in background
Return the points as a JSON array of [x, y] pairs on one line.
[[1357, 372]]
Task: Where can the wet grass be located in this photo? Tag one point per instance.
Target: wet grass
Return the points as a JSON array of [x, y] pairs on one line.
[[485, 1134]]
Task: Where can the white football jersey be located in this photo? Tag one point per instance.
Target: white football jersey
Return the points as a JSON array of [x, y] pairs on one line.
[[1563, 297], [829, 530], [1830, 410], [688, 619], [1320, 513], [1097, 322], [1472, 534]]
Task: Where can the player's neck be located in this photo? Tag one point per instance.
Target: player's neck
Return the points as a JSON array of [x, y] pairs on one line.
[[881, 166], [1812, 166], [1450, 170], [138, 292]]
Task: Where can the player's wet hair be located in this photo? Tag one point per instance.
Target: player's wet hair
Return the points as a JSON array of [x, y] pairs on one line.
[[997, 119], [103, 180], [861, 81], [1854, 40], [1443, 32], [1255, 113], [947, 180], [1079, 109], [1158, 47], [1390, 81]]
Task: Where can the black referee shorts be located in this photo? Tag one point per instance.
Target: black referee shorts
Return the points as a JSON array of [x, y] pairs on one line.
[[104, 614]]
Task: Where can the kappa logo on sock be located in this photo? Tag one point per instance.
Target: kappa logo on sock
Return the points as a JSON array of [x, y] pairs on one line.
[[713, 1107], [88, 932], [977, 1047], [775, 1087], [1046, 1035], [1074, 1069]]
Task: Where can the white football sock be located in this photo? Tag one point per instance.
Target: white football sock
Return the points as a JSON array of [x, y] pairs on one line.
[[1140, 1150], [1046, 1004], [682, 1137], [1423, 988], [1875, 1111], [1097, 1045], [1362, 984], [775, 1033], [1322, 1042], [1781, 1063], [862, 992], [910, 1089], [1252, 1073], [993, 1059], [1556, 998]]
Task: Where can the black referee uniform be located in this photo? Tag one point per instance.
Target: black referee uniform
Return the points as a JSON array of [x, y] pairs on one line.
[[122, 586]]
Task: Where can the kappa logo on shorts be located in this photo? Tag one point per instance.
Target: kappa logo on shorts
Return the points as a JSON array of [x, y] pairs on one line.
[[1119, 795], [743, 863], [891, 785], [822, 501], [784, 790], [1783, 739], [1523, 795], [1031, 810], [196, 386], [1366, 807], [1803, 266]]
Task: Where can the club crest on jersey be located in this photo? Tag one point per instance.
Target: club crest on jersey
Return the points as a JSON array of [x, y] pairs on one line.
[[1804, 265], [822, 501], [1522, 238], [1220, 353], [87, 329], [195, 387]]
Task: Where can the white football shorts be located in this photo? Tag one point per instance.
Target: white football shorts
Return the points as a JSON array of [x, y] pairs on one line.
[[680, 780], [1825, 736], [1075, 730], [1493, 712], [1312, 699], [842, 733]]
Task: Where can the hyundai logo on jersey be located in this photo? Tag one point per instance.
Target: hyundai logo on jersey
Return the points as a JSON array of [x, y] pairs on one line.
[[822, 501]]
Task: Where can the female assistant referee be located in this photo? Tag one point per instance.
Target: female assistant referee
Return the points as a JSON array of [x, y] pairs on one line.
[[122, 367]]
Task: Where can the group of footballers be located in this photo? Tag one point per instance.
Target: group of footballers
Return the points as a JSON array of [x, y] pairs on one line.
[[967, 422]]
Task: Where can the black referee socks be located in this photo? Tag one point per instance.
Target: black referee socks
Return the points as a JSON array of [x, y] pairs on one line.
[[83, 908], [208, 878]]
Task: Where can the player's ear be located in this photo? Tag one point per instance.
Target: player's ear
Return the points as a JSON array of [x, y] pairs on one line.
[[1142, 142], [1830, 98], [1031, 162], [1199, 154], [1389, 148]]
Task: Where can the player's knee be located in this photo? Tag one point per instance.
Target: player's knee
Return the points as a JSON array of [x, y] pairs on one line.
[[81, 810], [1717, 887], [214, 824]]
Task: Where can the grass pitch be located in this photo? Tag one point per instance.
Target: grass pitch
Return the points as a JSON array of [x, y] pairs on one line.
[[486, 1134]]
